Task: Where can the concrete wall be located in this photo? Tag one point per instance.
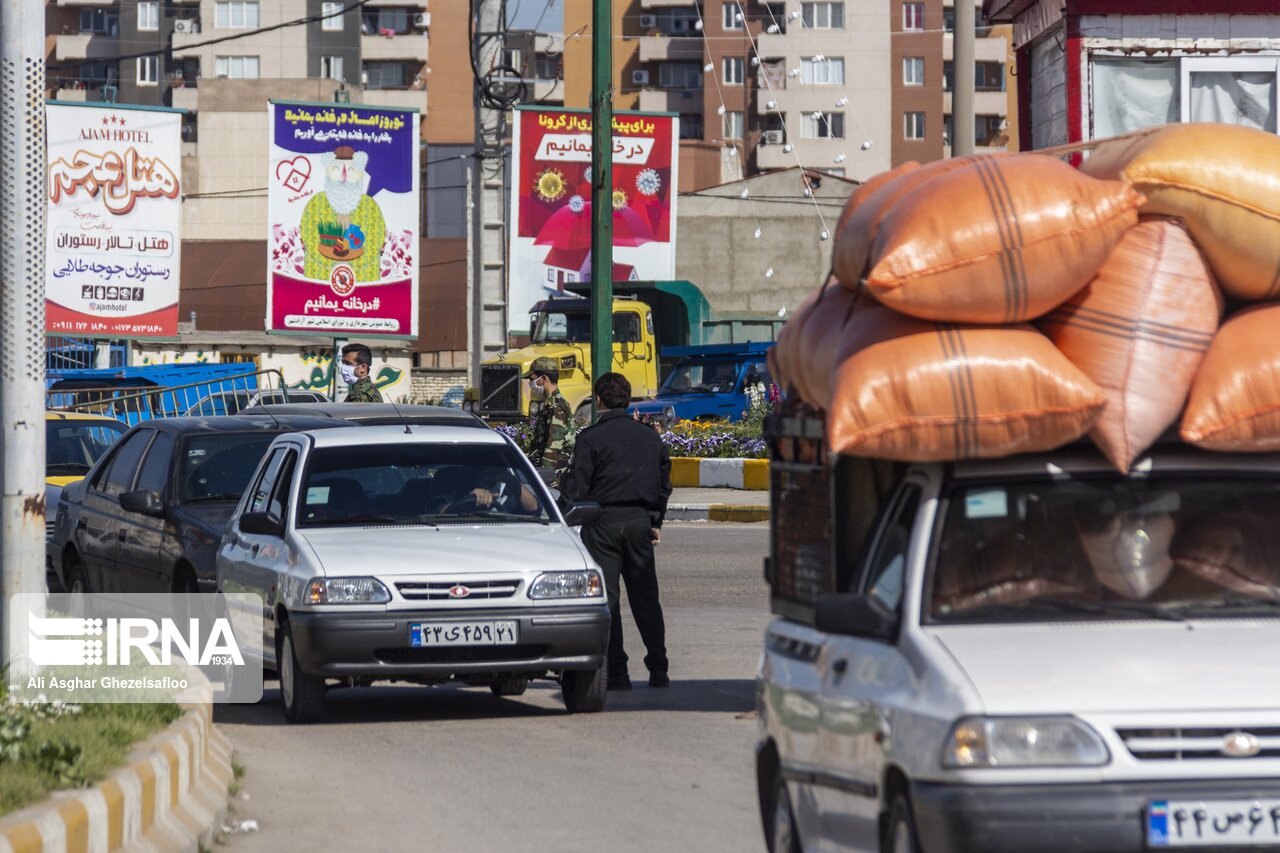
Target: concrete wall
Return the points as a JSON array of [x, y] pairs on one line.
[[438, 387]]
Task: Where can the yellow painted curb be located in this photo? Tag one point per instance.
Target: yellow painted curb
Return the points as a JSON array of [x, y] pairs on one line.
[[684, 472], [755, 475], [729, 512], [689, 472]]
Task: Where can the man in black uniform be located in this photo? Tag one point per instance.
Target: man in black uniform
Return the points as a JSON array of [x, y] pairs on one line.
[[622, 464]]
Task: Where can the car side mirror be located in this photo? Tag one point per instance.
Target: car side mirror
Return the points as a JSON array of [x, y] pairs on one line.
[[852, 614], [583, 514], [143, 501], [261, 524]]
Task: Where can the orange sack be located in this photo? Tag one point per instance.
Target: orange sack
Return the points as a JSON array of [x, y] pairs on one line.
[[1004, 240], [1235, 398], [1223, 181], [823, 336], [1140, 330], [918, 391], [785, 352], [860, 221]]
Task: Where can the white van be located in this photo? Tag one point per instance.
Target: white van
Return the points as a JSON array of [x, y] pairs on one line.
[[1026, 654]]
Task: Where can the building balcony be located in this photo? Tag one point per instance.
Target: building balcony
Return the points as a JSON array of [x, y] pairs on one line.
[[777, 45], [382, 48], [666, 4], [409, 99], [86, 2], [185, 98], [984, 50], [549, 91], [420, 5], [991, 103], [86, 46], [183, 41], [671, 101], [660, 48]]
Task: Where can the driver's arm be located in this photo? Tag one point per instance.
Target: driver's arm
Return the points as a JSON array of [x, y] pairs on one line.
[[528, 501], [483, 497]]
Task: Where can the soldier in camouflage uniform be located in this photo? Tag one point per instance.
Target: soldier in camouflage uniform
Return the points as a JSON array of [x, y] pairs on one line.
[[356, 364], [553, 431]]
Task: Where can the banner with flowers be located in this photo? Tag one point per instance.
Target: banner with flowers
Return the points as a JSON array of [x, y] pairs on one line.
[[551, 203]]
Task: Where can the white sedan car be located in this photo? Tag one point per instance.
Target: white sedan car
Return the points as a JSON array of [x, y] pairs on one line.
[[419, 554]]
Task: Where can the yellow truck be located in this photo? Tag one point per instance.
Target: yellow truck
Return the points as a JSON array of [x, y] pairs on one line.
[[648, 316]]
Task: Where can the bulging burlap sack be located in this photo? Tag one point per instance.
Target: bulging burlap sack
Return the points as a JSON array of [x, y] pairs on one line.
[[1140, 330], [1236, 549], [868, 188], [916, 391], [823, 336], [1223, 181], [1235, 398], [1000, 240]]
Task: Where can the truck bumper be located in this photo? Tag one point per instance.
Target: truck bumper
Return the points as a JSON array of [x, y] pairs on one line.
[[1078, 818]]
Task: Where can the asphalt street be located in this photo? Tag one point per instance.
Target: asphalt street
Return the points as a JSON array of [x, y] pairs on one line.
[[399, 768]]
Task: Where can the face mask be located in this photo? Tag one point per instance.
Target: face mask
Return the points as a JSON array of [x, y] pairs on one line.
[[347, 372], [537, 389]]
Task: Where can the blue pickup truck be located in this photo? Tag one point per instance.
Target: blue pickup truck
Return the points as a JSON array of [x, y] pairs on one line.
[[712, 381]]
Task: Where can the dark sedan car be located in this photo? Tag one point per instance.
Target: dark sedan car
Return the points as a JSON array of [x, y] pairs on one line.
[[374, 414], [148, 516]]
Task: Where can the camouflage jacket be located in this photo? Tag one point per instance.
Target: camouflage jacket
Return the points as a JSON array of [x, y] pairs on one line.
[[363, 391], [553, 434]]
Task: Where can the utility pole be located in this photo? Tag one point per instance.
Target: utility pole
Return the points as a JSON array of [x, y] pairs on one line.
[[601, 189], [962, 130], [486, 238], [22, 185]]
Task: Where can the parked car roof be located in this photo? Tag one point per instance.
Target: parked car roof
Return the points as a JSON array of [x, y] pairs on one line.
[[240, 423], [54, 415], [373, 413], [363, 435]]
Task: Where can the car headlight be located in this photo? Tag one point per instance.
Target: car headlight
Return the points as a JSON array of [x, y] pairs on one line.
[[1024, 742], [669, 415], [347, 591], [586, 584]]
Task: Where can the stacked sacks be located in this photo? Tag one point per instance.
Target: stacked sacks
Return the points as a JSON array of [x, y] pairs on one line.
[[1235, 400]]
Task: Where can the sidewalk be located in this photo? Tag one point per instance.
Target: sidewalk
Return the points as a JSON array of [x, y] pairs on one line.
[[718, 505]]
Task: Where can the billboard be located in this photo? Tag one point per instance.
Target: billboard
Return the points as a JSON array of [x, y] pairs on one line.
[[112, 245], [551, 202], [342, 213]]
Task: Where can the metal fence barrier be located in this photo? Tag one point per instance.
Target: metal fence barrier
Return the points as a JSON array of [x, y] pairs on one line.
[[134, 404]]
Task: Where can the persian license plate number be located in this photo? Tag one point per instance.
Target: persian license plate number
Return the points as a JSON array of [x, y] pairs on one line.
[[488, 633], [1213, 823]]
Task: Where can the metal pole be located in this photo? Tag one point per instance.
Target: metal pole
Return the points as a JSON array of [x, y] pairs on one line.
[[601, 189], [475, 329], [962, 130], [22, 183], [488, 251]]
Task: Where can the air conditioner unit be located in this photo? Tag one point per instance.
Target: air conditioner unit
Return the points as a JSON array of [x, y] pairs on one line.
[[186, 25], [640, 77], [772, 137], [648, 22], [422, 20]]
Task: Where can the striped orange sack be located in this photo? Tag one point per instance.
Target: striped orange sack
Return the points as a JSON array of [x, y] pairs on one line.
[[1004, 240], [918, 391], [1235, 398], [1140, 330], [1223, 181], [821, 340]]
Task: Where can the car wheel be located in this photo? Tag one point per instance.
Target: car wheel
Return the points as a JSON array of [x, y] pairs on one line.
[[901, 836], [303, 694], [510, 686], [77, 585], [585, 689], [784, 834]]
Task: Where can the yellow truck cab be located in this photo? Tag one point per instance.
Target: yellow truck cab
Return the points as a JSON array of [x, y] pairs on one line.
[[73, 442]]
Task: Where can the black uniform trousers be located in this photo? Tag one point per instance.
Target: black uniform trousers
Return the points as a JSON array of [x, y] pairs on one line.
[[621, 544]]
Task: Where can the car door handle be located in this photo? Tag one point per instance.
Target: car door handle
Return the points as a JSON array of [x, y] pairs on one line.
[[840, 667], [122, 535], [254, 549], [81, 524]]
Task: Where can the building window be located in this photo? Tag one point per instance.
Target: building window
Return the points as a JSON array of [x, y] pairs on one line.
[[237, 67], [825, 126], [386, 75], [822, 16], [949, 20], [913, 125], [947, 70], [734, 125], [680, 75], [913, 16], [100, 21], [822, 71], [678, 21], [733, 71], [235, 14], [334, 23], [732, 15], [546, 67], [149, 15], [331, 66], [988, 76], [386, 22], [913, 71], [148, 70], [987, 129], [691, 125]]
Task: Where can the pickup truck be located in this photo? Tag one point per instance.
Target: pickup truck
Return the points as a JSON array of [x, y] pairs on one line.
[[709, 383], [1028, 653]]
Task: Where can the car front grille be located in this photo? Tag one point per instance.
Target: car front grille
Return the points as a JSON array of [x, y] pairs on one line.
[[440, 590], [1194, 744], [500, 388], [463, 654]]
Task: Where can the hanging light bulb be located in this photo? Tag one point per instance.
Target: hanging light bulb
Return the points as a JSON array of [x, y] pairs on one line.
[[821, 57], [771, 105], [825, 235], [866, 145], [737, 16], [842, 102], [808, 191], [697, 25], [755, 62], [773, 28], [793, 16], [757, 233], [745, 192], [708, 68], [816, 115], [793, 72], [720, 110], [787, 148], [733, 151], [840, 158], [768, 273]]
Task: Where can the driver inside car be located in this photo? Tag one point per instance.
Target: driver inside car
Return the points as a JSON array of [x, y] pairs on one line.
[[487, 488]]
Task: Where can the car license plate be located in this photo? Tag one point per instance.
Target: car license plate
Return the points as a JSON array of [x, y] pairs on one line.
[[429, 634], [1213, 823]]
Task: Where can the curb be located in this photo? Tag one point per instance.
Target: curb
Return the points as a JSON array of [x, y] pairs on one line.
[[718, 512], [693, 472], [171, 795]]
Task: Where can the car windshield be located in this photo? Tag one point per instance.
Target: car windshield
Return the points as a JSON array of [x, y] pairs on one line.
[[1156, 547], [217, 466], [704, 376], [219, 404], [561, 326], [73, 446], [418, 483]]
